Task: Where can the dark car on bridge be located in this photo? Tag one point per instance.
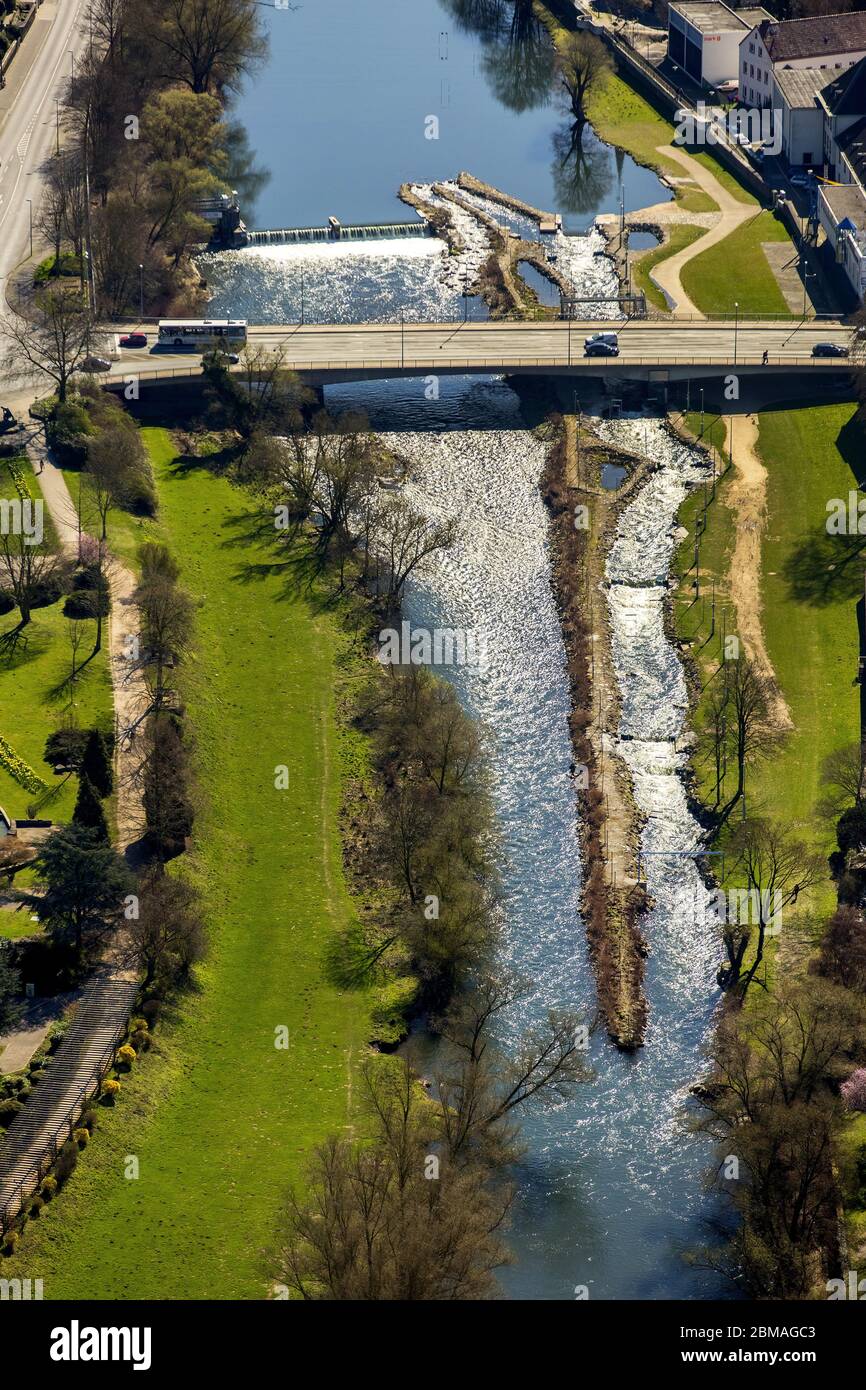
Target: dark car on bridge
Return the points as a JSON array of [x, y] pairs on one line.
[[601, 345], [133, 340], [829, 350]]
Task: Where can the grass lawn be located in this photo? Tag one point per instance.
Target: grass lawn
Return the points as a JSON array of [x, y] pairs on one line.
[[622, 117], [810, 596], [736, 269], [221, 1121], [809, 605], [35, 696], [680, 237]]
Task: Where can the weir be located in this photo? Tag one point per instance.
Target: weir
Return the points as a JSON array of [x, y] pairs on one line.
[[337, 231]]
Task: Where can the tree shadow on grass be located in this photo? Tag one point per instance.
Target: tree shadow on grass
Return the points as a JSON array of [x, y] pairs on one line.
[[825, 569], [287, 556]]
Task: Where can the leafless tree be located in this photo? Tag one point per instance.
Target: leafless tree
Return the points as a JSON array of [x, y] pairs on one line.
[[777, 869], [404, 539], [55, 342]]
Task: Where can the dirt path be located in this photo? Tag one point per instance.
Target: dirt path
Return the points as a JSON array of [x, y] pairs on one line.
[[731, 215], [747, 498]]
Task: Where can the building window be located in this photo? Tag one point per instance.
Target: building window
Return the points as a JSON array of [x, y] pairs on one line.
[[751, 48]]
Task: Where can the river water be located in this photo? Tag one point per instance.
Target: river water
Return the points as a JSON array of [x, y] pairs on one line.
[[609, 1189]]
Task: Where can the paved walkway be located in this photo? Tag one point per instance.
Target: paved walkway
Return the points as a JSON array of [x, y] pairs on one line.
[[18, 1047], [731, 215]]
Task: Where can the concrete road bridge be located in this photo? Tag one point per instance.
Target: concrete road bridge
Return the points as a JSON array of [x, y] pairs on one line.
[[649, 349]]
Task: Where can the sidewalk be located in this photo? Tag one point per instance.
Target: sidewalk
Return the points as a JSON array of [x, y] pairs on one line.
[[21, 65]]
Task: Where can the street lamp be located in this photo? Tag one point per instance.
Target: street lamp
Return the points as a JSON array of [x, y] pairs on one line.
[[141, 291], [702, 410], [72, 61], [57, 104], [30, 201], [736, 325]]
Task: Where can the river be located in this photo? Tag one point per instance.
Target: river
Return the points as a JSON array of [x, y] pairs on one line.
[[610, 1195]]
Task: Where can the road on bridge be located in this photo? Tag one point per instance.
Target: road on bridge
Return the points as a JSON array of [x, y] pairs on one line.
[[497, 346]]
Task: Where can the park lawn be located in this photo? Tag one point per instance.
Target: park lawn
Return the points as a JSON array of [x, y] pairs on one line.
[[812, 639], [811, 631], [729, 181], [35, 696], [220, 1120], [623, 118], [681, 235], [8, 489], [737, 270]]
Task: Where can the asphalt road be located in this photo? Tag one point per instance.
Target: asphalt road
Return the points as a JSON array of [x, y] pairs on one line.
[[499, 346], [28, 134]]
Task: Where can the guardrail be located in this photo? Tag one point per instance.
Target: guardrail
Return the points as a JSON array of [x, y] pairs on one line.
[[498, 364], [32, 1176]]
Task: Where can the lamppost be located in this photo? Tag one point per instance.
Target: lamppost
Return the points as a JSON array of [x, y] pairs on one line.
[[736, 325], [57, 104], [30, 201], [702, 409], [141, 291], [402, 338], [302, 294], [72, 61]]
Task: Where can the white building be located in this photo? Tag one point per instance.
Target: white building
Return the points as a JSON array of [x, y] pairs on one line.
[[704, 38], [830, 43], [842, 214]]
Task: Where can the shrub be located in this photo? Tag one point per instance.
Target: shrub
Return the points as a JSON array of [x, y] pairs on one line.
[[67, 431], [90, 1119], [81, 1137], [110, 1089], [66, 1163], [8, 1110], [854, 1090], [126, 1054], [7, 602], [87, 603], [48, 1187], [35, 1207], [10, 1240], [851, 829]]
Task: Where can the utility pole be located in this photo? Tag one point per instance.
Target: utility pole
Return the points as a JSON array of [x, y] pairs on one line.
[[736, 325], [141, 291], [30, 201], [702, 412]]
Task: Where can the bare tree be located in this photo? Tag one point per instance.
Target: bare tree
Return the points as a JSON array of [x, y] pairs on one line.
[[583, 63], [404, 539], [56, 341], [777, 869], [748, 718], [842, 773], [207, 44], [27, 569]]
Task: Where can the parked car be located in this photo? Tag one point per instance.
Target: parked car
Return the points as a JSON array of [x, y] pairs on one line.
[[601, 345], [96, 364], [739, 137], [829, 350], [134, 340], [801, 180], [757, 153]]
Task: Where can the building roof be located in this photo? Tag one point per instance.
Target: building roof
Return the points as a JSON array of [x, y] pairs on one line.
[[801, 87], [852, 144], [846, 200], [846, 94], [713, 17], [790, 39]]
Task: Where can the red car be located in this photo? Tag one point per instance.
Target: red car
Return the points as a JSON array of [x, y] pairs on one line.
[[134, 340]]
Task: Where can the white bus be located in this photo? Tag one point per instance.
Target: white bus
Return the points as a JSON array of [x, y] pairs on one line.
[[203, 333]]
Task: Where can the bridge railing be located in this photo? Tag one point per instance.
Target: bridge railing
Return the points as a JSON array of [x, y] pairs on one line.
[[498, 364]]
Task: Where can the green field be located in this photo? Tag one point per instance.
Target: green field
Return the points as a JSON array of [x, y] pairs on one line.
[[680, 237], [36, 696], [219, 1118], [623, 118], [810, 586], [737, 270]]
